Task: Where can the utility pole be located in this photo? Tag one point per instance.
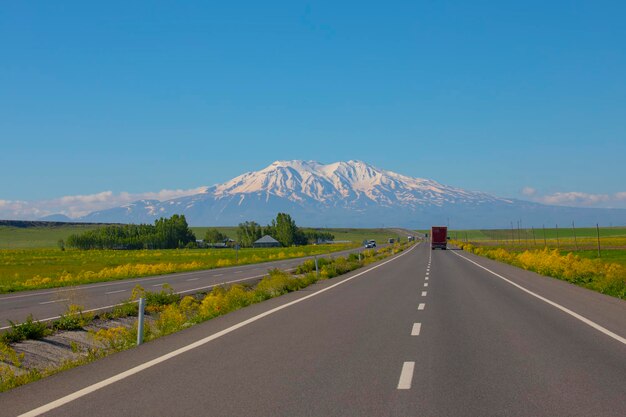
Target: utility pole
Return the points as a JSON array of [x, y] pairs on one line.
[[545, 242], [534, 240], [558, 246], [598, 232]]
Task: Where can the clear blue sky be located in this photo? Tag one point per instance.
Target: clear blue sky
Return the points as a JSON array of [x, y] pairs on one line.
[[140, 96]]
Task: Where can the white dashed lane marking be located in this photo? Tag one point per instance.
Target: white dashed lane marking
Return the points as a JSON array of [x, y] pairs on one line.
[[406, 376], [415, 331], [55, 301], [421, 306]]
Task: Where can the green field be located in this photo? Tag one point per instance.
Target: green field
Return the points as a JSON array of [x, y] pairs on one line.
[[23, 269], [538, 233], [617, 256], [39, 236]]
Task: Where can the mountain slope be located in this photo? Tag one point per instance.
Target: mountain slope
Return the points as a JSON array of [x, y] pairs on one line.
[[350, 193]]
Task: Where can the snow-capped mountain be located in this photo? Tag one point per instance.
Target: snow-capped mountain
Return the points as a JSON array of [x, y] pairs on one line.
[[350, 193]]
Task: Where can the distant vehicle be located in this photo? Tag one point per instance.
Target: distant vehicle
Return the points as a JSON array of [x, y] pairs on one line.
[[370, 244], [391, 240], [439, 237], [410, 238]]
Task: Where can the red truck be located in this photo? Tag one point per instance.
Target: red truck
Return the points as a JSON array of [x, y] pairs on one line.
[[439, 237]]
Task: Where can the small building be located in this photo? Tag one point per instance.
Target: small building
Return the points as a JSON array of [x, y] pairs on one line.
[[266, 242]]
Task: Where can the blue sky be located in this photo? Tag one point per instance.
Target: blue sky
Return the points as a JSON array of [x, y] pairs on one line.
[[139, 97]]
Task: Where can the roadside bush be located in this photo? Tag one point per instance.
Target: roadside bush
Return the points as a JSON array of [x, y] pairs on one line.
[[170, 320], [115, 338], [73, 319], [30, 329]]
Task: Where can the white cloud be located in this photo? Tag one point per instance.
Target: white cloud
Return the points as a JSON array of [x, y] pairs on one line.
[[75, 206], [575, 198]]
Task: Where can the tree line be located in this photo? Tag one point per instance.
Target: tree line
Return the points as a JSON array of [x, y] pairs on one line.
[[283, 228], [174, 232], [164, 234]]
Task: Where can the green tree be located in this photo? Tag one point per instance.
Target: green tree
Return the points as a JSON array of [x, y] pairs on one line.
[[287, 233], [213, 235], [248, 233]]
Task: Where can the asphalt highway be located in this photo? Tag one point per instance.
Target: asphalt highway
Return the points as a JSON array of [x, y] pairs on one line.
[[49, 304], [425, 333]]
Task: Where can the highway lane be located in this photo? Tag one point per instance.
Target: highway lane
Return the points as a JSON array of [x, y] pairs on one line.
[[423, 334], [49, 304]]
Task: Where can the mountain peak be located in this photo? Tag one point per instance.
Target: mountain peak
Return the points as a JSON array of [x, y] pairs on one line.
[[341, 194]]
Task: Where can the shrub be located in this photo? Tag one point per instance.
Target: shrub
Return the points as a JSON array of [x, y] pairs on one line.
[[115, 338], [73, 319], [170, 320], [30, 329]]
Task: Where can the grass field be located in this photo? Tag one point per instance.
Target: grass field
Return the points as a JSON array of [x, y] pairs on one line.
[[38, 237], [23, 269], [617, 256], [566, 240], [523, 234]]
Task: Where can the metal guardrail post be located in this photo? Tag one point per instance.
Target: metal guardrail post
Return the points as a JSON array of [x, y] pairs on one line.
[[142, 303], [317, 271]]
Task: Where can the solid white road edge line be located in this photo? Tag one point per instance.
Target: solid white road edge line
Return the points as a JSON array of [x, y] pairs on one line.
[[415, 331], [114, 292], [115, 378], [552, 303], [406, 375]]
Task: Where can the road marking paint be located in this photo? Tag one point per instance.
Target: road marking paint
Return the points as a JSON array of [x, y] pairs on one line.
[[424, 293], [426, 284], [238, 272], [427, 272], [159, 285], [406, 376], [123, 375], [426, 278], [421, 306], [55, 301], [218, 275], [552, 303], [415, 331], [114, 292], [193, 279]]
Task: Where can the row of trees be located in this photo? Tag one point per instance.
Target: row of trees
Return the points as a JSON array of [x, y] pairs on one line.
[[175, 233], [283, 228], [164, 234]]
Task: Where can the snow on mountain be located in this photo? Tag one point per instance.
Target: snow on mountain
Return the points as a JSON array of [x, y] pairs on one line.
[[351, 193], [349, 183]]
